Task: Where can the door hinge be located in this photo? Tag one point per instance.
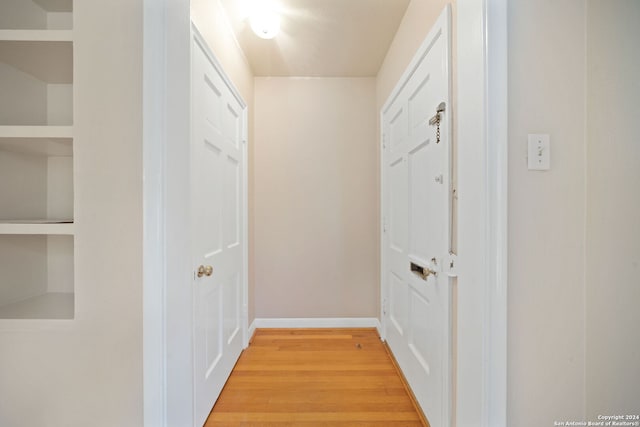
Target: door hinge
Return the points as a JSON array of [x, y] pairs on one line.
[[384, 141], [450, 265], [384, 224]]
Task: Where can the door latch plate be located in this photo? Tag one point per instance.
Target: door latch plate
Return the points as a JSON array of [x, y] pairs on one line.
[[450, 265]]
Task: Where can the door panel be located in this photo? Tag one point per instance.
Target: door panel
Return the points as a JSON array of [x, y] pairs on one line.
[[398, 230], [398, 127], [416, 209], [232, 303], [398, 303], [421, 340], [217, 236], [232, 203], [211, 304], [419, 193], [232, 125], [210, 232], [419, 111]]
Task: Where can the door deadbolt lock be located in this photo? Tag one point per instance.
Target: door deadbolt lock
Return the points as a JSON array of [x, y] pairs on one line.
[[422, 272], [205, 270]]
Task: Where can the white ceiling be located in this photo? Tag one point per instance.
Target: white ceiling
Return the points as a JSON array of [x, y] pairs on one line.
[[321, 38]]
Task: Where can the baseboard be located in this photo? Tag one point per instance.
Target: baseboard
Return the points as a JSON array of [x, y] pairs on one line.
[[252, 330], [320, 322]]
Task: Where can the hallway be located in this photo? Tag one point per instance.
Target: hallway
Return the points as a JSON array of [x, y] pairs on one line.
[[310, 377]]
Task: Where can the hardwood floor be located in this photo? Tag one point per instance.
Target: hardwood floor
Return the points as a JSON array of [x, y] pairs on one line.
[[315, 377]]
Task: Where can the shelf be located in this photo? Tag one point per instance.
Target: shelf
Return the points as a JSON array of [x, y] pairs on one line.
[[38, 146], [55, 5], [36, 179], [47, 61], [36, 227], [54, 305], [36, 131], [37, 276], [36, 35], [36, 14], [37, 232]]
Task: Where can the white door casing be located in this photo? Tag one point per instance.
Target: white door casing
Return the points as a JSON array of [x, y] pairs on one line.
[[416, 229], [218, 228], [481, 75]]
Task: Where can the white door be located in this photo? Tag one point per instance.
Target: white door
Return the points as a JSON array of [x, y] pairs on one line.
[[217, 220], [416, 211]]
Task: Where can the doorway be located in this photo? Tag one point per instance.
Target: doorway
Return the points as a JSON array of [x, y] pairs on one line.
[[417, 234], [175, 389]]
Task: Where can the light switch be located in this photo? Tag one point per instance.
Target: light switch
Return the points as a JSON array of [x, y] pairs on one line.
[[539, 157]]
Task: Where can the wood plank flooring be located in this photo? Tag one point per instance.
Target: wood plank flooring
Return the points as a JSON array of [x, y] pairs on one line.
[[315, 377]]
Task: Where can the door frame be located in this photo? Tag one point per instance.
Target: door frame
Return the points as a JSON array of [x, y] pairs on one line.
[[442, 25], [481, 365], [481, 373], [168, 358], [480, 389]]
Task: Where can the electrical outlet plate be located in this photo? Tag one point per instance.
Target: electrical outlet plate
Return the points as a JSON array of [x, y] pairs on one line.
[[539, 152]]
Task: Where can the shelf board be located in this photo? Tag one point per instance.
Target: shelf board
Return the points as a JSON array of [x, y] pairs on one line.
[[56, 5], [52, 305], [36, 131], [59, 147], [48, 61], [36, 35], [36, 227]]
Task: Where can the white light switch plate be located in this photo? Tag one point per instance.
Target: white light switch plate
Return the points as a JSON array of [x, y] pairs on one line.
[[539, 152]]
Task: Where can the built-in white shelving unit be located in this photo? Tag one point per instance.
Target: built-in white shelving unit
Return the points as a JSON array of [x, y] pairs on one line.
[[36, 160]]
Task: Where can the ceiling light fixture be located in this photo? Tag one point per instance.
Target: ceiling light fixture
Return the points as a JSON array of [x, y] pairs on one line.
[[265, 22]]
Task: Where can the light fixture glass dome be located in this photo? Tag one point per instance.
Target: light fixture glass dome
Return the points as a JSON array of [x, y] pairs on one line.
[[265, 23]]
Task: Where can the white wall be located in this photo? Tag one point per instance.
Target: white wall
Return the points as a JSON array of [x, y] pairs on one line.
[[546, 211], [574, 231], [315, 197], [23, 185], [21, 14], [284, 121], [27, 94], [613, 208], [89, 370], [24, 274]]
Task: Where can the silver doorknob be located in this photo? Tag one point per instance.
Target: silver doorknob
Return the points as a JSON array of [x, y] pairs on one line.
[[205, 270]]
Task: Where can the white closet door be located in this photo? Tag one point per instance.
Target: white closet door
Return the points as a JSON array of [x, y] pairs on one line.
[[217, 220]]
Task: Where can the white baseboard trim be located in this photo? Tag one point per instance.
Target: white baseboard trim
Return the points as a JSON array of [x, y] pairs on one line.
[[252, 330], [320, 322]]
